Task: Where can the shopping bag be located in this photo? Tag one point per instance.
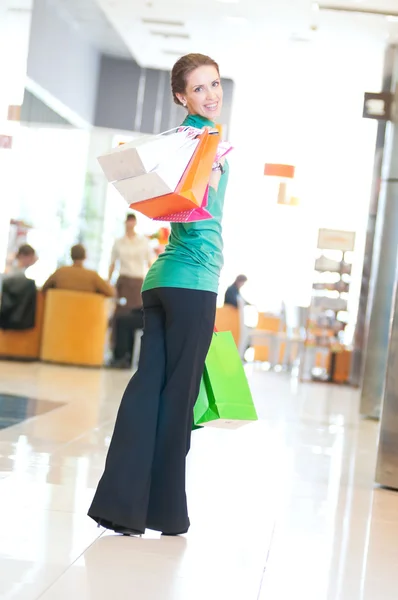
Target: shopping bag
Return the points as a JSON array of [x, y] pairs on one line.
[[199, 214], [164, 191], [189, 216], [142, 155], [225, 398], [162, 180]]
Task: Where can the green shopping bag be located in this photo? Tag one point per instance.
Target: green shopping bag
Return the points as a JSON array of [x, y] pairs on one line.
[[224, 398]]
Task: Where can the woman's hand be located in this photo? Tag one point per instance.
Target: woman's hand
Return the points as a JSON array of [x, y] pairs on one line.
[[216, 175]]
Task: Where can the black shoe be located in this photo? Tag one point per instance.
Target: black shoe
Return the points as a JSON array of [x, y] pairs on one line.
[[174, 534], [127, 531], [118, 528]]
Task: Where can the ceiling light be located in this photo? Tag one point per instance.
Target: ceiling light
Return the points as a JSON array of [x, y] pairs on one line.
[[163, 22], [315, 6], [174, 52], [392, 18], [169, 35]]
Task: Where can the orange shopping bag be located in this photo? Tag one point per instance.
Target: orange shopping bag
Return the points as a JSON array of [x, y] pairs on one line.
[[196, 177], [190, 190]]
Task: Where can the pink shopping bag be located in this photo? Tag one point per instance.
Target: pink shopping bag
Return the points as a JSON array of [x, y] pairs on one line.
[[190, 216]]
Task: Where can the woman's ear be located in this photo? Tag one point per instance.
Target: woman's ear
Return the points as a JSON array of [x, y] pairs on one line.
[[181, 99]]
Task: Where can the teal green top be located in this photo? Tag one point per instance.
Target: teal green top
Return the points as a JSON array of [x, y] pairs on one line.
[[193, 257]]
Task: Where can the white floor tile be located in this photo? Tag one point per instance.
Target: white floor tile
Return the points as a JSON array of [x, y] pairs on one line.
[[37, 547], [286, 505]]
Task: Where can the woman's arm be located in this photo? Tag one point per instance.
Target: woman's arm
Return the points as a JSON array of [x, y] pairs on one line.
[[216, 176]]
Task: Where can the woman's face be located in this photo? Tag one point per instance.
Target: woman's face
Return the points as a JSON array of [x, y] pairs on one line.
[[203, 94]]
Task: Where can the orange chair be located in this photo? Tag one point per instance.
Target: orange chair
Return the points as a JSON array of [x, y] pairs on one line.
[[24, 344], [264, 339], [75, 326], [228, 318]]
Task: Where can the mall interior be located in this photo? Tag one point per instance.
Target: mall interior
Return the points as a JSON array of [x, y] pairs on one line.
[[301, 502]]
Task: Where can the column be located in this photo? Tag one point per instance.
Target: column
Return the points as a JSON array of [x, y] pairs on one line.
[[14, 47], [4, 154], [383, 275], [361, 329], [387, 459]]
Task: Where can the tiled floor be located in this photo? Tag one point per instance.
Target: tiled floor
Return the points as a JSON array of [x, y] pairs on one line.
[[281, 509]]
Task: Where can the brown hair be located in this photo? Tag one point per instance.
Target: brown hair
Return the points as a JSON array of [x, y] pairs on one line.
[[78, 252], [25, 250], [241, 279], [183, 67], [131, 217]]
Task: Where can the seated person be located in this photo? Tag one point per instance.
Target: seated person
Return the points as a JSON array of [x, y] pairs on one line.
[[232, 295], [25, 258], [18, 293], [77, 277]]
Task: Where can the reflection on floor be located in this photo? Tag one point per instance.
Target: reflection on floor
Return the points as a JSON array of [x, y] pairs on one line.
[[281, 509], [14, 409]]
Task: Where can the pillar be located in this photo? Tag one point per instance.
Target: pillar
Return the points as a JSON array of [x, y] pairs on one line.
[[362, 325], [383, 274], [14, 47], [387, 459]]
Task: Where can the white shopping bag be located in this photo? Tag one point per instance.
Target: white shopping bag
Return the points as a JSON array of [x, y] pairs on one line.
[[141, 156], [162, 180]]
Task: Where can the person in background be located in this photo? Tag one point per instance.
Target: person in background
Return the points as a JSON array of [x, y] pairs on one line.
[[125, 327], [233, 298], [232, 295], [18, 293], [133, 255], [77, 277], [25, 258]]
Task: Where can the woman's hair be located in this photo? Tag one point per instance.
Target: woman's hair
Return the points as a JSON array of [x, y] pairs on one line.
[[183, 67]]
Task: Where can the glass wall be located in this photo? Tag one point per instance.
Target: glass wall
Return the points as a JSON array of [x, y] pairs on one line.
[[47, 191], [300, 105]]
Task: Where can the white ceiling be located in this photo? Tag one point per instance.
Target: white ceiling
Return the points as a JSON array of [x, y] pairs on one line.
[[89, 20], [239, 30]]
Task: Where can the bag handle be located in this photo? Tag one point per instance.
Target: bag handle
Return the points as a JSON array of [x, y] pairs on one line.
[[181, 128]]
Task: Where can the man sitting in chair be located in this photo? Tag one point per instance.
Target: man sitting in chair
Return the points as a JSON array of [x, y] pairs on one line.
[[77, 277], [18, 293]]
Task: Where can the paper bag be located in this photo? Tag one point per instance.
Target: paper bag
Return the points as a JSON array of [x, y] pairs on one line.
[[225, 398], [161, 193], [141, 155], [190, 216]]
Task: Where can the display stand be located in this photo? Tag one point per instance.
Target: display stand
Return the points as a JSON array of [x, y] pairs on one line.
[[326, 358]]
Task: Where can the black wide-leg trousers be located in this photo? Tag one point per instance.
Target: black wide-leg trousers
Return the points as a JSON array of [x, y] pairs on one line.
[[143, 485]]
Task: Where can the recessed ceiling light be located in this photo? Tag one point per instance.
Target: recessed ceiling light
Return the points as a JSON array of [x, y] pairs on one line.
[[392, 18], [163, 22]]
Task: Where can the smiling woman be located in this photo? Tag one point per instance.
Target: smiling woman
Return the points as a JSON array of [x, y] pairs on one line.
[[143, 485], [196, 84]]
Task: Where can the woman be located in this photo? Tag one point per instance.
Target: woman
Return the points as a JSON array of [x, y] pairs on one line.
[[143, 485]]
